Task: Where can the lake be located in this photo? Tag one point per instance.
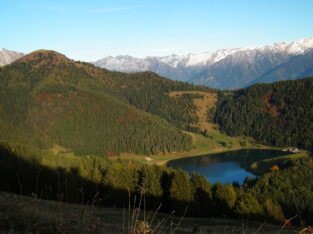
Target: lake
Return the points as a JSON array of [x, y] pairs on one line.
[[225, 167]]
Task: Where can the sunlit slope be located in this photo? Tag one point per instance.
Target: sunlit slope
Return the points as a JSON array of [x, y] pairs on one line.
[[47, 99]]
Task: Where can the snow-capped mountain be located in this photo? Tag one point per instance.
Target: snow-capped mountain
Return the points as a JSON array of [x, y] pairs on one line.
[[7, 56], [297, 67], [130, 64], [225, 68]]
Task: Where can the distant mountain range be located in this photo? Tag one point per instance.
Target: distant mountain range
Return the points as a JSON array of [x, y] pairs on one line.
[[222, 69], [226, 68], [7, 56]]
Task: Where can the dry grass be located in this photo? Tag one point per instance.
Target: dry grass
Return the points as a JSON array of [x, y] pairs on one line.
[[203, 104], [21, 214], [57, 149]]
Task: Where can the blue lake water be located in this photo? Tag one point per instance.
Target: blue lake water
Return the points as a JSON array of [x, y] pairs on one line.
[[224, 167]]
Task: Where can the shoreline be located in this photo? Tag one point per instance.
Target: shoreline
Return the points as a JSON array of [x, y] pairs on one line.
[[162, 160]]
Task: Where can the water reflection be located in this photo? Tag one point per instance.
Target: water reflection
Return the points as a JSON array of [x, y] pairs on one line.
[[225, 167]]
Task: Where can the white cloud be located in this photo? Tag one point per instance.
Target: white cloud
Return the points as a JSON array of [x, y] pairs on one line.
[[111, 9]]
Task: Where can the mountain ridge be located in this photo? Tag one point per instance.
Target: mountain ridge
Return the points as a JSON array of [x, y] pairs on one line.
[[7, 56], [240, 66], [223, 69], [297, 67]]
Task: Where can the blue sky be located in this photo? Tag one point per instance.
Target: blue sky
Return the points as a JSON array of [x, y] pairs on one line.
[[90, 30]]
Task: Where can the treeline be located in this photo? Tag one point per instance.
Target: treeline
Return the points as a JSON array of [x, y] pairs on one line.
[[276, 196], [46, 99], [278, 114]]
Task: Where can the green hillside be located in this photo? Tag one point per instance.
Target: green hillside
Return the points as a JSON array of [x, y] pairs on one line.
[[279, 114], [100, 181], [47, 99], [150, 92]]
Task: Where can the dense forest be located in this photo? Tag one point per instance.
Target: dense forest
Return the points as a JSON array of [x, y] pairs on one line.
[[279, 114], [150, 92], [278, 195], [47, 99]]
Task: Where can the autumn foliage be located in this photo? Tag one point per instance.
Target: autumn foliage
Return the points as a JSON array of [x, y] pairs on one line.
[[274, 168]]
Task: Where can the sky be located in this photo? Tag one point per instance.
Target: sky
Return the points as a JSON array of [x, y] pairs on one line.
[[90, 30]]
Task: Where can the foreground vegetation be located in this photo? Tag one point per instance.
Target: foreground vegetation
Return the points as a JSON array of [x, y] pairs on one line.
[[261, 167], [276, 196], [29, 215]]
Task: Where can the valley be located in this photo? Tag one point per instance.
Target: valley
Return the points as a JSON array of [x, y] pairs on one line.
[[213, 140], [72, 132]]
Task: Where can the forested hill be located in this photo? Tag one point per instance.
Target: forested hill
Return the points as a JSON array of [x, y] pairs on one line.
[[279, 114], [146, 90], [150, 92], [47, 99]]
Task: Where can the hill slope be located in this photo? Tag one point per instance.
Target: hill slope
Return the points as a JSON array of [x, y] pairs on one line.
[[52, 217], [47, 99], [279, 114]]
